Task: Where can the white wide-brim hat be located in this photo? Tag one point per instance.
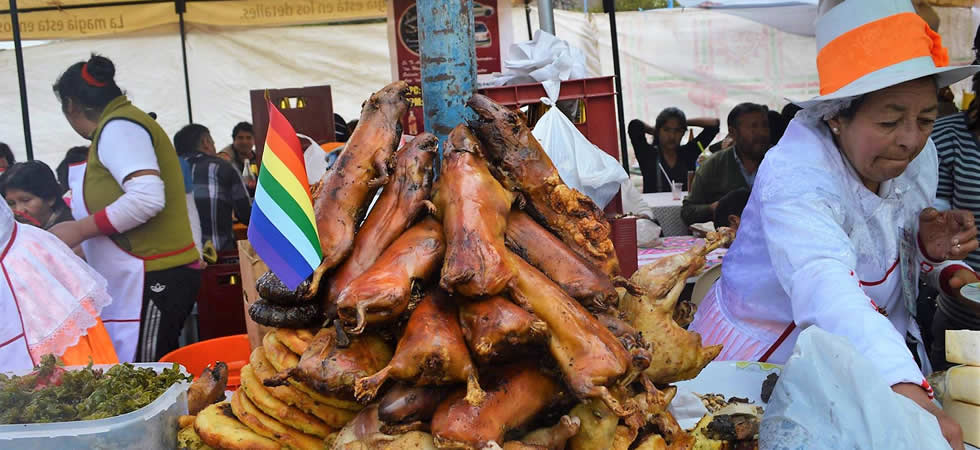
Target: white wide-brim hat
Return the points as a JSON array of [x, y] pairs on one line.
[[868, 45]]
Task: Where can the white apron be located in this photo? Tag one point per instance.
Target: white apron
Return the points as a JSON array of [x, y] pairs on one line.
[[14, 352], [124, 272]]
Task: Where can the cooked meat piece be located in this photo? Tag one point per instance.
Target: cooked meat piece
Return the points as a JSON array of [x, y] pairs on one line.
[[522, 165], [332, 370], [402, 200], [361, 168], [497, 330], [273, 290], [382, 293], [207, 388], [300, 316], [473, 207], [431, 352]]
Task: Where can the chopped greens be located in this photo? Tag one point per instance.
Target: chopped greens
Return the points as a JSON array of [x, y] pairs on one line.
[[53, 394]]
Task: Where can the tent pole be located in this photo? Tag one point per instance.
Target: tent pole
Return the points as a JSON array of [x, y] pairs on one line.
[[21, 79], [527, 15], [610, 7], [181, 7]]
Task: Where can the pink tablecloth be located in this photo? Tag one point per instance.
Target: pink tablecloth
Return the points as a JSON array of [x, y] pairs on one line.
[[673, 245]]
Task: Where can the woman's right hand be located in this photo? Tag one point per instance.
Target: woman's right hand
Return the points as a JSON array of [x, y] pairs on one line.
[[950, 428]]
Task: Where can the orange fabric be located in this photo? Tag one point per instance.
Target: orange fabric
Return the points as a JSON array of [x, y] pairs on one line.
[[877, 45], [96, 344], [331, 146]]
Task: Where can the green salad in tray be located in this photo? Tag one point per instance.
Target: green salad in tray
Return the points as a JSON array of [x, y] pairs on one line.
[[52, 394]]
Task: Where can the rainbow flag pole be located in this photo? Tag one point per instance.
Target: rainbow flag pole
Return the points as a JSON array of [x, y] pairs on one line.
[[282, 228]]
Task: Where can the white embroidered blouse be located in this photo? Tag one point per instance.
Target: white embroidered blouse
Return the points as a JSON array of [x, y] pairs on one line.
[[816, 247]]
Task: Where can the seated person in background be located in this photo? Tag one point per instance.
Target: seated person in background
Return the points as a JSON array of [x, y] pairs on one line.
[[217, 187], [729, 169], [666, 150], [31, 190], [729, 210]]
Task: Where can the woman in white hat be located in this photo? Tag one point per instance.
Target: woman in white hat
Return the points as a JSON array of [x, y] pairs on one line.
[[839, 225]]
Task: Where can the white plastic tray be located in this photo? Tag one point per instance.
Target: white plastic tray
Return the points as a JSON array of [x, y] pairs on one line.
[[153, 426]]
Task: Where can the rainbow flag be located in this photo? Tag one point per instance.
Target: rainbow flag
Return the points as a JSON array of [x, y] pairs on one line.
[[282, 229]]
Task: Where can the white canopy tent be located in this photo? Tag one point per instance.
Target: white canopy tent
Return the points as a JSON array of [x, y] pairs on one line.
[[700, 60]]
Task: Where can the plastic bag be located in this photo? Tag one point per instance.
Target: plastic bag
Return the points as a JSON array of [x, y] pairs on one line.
[[829, 397], [647, 231], [580, 163], [315, 159], [544, 59]]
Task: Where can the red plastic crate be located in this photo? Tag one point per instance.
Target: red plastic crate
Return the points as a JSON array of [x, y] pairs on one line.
[[219, 302]]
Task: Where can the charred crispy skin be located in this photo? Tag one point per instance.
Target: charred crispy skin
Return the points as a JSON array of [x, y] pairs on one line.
[[515, 394], [360, 169], [207, 388], [331, 370], [580, 279], [473, 207], [299, 316], [400, 203], [496, 328], [522, 165], [431, 352], [273, 290], [405, 408], [382, 293], [588, 353]]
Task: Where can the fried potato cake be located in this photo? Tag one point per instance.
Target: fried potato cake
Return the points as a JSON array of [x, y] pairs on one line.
[[293, 340], [278, 354], [261, 423], [219, 428], [288, 415]]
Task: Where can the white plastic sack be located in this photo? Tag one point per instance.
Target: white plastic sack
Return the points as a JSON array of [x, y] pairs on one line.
[[829, 397], [580, 163], [315, 159], [544, 59]]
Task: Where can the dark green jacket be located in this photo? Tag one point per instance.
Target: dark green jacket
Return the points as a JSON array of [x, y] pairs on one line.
[[717, 176]]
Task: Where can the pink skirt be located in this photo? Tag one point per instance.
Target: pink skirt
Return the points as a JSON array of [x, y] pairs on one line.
[[715, 328]]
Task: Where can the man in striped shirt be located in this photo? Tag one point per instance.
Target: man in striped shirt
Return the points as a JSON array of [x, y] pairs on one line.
[[956, 138], [218, 189]]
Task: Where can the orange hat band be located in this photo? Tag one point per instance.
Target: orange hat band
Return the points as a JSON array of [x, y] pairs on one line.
[[877, 45]]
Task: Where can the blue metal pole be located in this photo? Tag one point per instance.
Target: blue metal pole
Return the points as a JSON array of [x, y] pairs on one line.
[[448, 53]]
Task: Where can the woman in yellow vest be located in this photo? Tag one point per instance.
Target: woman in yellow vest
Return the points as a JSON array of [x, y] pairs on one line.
[[130, 213]]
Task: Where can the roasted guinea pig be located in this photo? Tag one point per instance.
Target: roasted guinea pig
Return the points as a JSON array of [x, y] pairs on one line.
[[332, 370], [401, 201], [677, 354], [273, 290], [473, 207], [331, 415], [207, 388], [305, 315], [406, 408], [588, 354], [580, 279], [515, 394], [522, 165], [360, 170], [657, 279], [431, 352], [496, 329], [382, 293]]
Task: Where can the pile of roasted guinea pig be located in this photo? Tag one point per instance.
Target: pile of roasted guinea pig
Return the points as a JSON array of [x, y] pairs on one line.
[[482, 309]]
